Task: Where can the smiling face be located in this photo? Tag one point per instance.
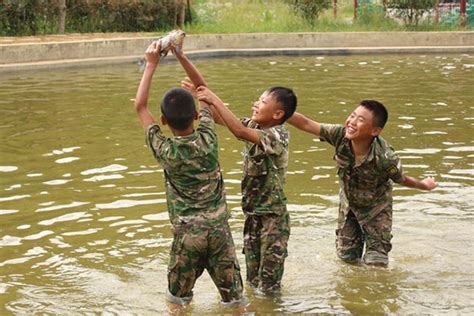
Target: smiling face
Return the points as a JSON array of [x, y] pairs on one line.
[[266, 111], [360, 125]]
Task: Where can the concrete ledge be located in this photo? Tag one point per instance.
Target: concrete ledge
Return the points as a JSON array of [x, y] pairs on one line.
[[15, 57]]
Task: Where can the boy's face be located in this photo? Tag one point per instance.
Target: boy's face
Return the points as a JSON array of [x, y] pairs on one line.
[[360, 125], [266, 110]]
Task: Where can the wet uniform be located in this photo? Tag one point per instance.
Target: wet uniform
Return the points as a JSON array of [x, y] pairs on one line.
[[198, 212], [267, 222], [365, 209]]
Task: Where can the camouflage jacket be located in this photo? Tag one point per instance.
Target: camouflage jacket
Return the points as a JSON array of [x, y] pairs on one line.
[[365, 189], [193, 180], [265, 169]]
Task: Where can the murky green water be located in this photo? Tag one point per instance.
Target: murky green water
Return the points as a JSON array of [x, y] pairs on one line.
[[83, 220]]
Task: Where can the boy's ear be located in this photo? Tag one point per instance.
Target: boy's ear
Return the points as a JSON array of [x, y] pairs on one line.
[[376, 131], [278, 115], [196, 115], [163, 120]]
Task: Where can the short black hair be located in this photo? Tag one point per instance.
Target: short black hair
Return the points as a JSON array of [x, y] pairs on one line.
[[378, 110], [178, 108], [286, 98]]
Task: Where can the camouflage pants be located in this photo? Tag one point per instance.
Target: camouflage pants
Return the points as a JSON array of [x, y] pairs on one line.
[[376, 234], [196, 249], [265, 248]]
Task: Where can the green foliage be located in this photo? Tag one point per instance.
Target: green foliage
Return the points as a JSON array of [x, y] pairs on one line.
[[411, 11], [27, 17], [310, 9], [32, 17]]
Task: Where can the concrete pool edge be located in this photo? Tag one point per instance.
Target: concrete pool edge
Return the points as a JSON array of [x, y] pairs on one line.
[[85, 53]]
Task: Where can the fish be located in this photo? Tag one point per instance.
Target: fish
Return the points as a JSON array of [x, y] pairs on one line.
[[174, 37]]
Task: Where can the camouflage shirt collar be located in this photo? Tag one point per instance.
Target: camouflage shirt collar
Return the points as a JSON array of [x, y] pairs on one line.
[[371, 154]]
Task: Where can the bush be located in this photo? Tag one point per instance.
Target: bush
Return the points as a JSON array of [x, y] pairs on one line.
[[27, 17], [310, 9], [32, 17], [411, 11]]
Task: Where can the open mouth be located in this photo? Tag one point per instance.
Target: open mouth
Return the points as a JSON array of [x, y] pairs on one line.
[[350, 130]]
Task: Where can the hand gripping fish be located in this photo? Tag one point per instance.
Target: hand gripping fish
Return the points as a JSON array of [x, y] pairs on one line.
[[174, 37]]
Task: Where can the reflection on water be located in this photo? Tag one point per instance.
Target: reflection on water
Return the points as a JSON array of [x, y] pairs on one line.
[[83, 220], [362, 289]]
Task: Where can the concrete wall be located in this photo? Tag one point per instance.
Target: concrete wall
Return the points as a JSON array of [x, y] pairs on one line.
[[64, 53]]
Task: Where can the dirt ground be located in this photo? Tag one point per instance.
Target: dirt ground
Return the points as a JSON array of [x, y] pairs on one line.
[[69, 37]]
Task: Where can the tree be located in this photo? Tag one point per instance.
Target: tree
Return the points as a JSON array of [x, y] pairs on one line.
[[62, 16], [310, 9], [411, 11]]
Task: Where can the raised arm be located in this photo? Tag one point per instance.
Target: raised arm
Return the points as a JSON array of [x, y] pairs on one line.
[[152, 57], [195, 78], [193, 73], [231, 121], [303, 123], [425, 184]]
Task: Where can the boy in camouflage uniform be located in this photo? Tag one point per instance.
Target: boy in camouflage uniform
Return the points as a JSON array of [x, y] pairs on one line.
[[267, 222], [194, 189], [366, 166]]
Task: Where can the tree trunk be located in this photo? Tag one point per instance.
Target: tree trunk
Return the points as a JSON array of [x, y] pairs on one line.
[[62, 16], [189, 13], [179, 13], [334, 8]]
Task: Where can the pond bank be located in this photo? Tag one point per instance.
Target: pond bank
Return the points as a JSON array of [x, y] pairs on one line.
[[69, 52]]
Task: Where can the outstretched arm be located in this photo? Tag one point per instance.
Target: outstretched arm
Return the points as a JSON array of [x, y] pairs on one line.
[[231, 121], [303, 123], [425, 184], [152, 57]]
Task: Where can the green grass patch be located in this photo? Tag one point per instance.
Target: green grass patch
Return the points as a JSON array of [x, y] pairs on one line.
[[250, 16]]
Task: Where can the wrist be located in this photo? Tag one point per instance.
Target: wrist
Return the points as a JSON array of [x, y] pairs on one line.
[[180, 55], [151, 65]]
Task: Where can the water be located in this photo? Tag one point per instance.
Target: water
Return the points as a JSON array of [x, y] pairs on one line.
[[83, 220]]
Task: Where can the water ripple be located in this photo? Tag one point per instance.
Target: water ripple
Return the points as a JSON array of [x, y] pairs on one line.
[[65, 218], [110, 168], [60, 207], [128, 203]]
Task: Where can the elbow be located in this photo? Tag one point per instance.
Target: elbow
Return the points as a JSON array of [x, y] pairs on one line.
[[139, 105]]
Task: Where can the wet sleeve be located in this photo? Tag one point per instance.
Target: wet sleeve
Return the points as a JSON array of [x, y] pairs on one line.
[[331, 133], [154, 139]]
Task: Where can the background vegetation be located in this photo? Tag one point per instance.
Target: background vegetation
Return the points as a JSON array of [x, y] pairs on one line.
[[41, 17]]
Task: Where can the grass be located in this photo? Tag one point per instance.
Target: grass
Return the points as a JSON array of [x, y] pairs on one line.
[[250, 16]]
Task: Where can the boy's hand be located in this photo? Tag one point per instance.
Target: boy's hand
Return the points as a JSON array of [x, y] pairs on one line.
[[177, 50], [207, 96], [429, 183], [152, 53], [188, 85]]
